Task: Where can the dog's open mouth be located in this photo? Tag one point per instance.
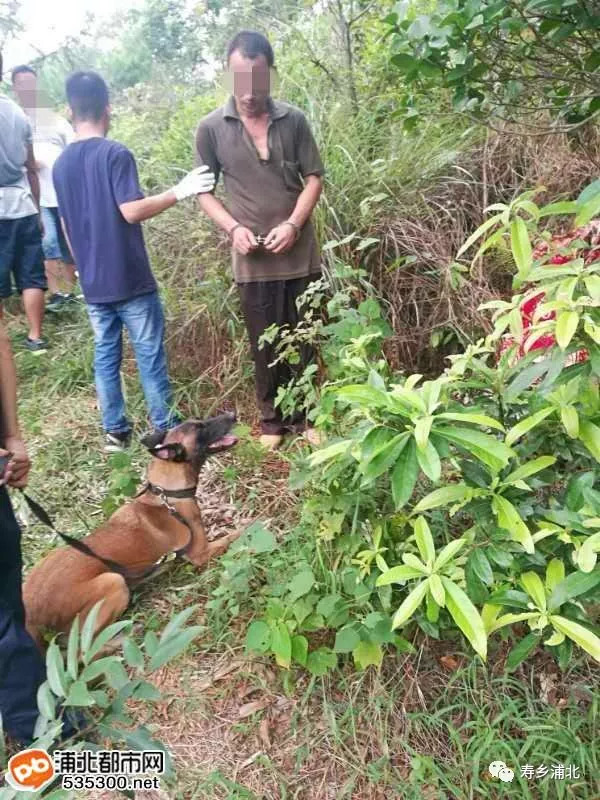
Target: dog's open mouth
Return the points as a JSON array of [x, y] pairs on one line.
[[227, 441]]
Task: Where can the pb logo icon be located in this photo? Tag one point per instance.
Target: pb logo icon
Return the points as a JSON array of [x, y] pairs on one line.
[[30, 770]]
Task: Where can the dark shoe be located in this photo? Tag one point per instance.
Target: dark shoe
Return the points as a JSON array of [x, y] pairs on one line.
[[151, 439], [36, 346], [117, 442], [56, 301]]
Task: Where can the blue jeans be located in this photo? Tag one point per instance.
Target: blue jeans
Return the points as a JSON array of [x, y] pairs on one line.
[[144, 320]]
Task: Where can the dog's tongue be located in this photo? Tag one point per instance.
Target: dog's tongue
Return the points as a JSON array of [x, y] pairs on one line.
[[227, 441]]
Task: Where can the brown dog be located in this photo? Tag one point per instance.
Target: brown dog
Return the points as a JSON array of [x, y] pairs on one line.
[[165, 518]]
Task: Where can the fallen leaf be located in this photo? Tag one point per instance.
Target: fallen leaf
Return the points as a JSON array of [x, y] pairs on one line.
[[263, 733], [450, 663], [250, 760], [251, 708]]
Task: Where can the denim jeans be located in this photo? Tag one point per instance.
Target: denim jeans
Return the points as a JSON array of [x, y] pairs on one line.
[[144, 320]]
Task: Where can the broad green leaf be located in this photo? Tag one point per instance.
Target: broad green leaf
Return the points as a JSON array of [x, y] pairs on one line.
[[281, 645], [448, 552], [424, 541], [116, 675], [410, 604], [258, 637], [362, 395], [485, 226], [481, 566], [146, 691], [437, 590], [466, 616], [509, 518], [87, 631], [133, 654], [583, 637], [555, 640], [555, 573], [412, 561], [592, 284], [300, 650], [511, 598], [327, 453], [570, 420], [399, 574], [176, 624], [367, 654], [476, 419], [375, 439], [532, 583], [346, 639], [97, 667], [429, 461], [529, 469], [483, 446], [260, 539], [46, 702], [588, 211], [79, 695], [590, 436], [575, 584], [73, 650], [511, 619], [566, 325], [489, 614], [561, 207], [404, 475], [105, 635], [520, 246], [385, 458], [301, 584], [55, 670], [174, 646], [527, 424], [522, 650], [320, 661], [587, 555], [403, 398], [422, 429], [442, 497]]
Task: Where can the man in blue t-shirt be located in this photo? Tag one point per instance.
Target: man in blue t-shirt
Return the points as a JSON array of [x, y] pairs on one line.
[[101, 206]]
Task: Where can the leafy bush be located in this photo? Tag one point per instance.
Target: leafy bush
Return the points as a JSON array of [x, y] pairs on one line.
[[84, 678], [466, 504]]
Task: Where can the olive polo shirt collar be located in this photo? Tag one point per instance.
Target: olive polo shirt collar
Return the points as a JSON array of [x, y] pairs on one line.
[[276, 109]]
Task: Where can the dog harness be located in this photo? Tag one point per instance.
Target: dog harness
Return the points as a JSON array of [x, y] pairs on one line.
[[164, 494]]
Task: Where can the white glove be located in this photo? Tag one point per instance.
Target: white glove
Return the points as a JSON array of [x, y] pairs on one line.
[[197, 181]]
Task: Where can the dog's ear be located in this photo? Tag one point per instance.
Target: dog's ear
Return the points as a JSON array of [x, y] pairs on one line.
[[173, 451]]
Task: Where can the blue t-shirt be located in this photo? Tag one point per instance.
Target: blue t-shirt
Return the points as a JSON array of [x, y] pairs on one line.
[[92, 178]]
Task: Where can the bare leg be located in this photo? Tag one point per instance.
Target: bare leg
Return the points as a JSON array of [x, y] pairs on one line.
[[53, 274], [33, 300], [60, 276]]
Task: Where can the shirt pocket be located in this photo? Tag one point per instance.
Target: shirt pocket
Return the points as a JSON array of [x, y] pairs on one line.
[[291, 175]]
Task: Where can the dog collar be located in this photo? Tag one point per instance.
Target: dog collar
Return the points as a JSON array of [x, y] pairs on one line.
[[176, 494]]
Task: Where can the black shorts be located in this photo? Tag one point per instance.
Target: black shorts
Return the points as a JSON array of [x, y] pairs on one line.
[[21, 254]]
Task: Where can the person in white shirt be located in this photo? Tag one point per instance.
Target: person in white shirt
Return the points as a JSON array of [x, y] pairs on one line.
[[51, 135]]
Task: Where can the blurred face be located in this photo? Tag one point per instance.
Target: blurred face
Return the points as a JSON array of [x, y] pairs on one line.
[[25, 86], [250, 82]]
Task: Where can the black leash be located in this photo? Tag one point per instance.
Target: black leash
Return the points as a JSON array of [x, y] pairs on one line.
[[178, 494], [43, 516]]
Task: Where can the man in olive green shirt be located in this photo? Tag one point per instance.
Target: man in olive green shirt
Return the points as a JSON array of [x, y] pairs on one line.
[[272, 173]]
